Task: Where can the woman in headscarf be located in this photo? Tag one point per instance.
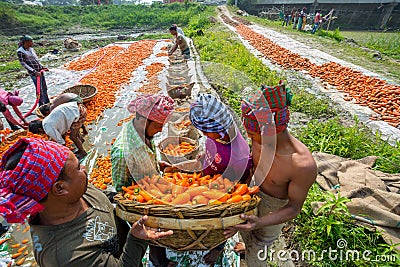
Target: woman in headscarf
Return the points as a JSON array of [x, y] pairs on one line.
[[14, 100]]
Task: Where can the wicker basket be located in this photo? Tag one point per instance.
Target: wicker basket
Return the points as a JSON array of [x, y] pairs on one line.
[[196, 227], [85, 91], [175, 140], [180, 91], [180, 61]]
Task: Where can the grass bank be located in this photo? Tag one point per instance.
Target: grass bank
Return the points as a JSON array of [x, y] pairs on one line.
[[18, 19]]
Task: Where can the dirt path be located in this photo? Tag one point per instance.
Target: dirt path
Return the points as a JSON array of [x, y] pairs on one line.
[[317, 86]]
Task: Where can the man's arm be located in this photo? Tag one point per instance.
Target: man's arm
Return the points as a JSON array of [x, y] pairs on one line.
[[19, 114], [7, 114], [177, 42], [297, 191]]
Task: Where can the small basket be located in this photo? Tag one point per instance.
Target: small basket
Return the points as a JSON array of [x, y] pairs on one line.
[[177, 140], [86, 91], [196, 227], [180, 91]]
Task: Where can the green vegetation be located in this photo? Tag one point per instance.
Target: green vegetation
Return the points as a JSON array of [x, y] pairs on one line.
[[17, 19], [332, 228], [310, 105], [335, 35], [387, 43], [354, 142]]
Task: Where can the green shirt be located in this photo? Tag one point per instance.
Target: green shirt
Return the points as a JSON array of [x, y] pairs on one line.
[[131, 158], [95, 238]]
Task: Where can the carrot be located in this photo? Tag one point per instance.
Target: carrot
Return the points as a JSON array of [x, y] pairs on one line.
[[181, 199], [195, 191], [22, 249], [213, 194], [246, 197], [16, 255], [167, 198], [4, 240], [146, 196], [235, 199], [241, 189], [199, 200], [253, 190], [20, 261], [16, 245]]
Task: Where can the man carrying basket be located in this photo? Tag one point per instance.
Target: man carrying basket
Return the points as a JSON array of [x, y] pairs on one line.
[[133, 154], [72, 223], [284, 170]]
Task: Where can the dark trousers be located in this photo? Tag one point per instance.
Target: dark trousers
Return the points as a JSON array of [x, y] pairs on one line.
[[44, 98], [158, 256]]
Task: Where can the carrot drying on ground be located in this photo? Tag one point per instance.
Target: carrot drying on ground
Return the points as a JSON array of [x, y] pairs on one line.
[[154, 69], [87, 62], [162, 54], [113, 73], [377, 94]]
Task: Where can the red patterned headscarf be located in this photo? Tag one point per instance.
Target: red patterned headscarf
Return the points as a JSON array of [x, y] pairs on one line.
[[266, 112], [156, 107], [22, 188]]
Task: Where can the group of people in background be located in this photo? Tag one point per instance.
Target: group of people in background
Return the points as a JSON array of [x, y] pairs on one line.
[[298, 18]]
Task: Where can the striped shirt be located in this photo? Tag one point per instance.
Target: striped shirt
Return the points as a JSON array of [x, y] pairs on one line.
[[29, 60], [131, 158]]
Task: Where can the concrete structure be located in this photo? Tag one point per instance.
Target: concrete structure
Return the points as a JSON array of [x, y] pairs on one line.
[[352, 14]]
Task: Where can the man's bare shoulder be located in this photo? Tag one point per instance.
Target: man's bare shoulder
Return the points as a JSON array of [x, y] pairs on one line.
[[303, 162]]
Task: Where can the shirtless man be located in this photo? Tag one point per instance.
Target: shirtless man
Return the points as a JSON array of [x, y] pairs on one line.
[[180, 41], [284, 177]]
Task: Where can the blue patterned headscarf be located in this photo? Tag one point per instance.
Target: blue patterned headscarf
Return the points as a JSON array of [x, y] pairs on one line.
[[210, 115]]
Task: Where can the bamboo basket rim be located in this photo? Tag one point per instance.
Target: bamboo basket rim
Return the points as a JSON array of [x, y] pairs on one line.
[[185, 224], [77, 89]]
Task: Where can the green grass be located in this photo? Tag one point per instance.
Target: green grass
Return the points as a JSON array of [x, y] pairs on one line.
[[320, 231], [10, 66], [388, 43], [18, 19], [354, 142]]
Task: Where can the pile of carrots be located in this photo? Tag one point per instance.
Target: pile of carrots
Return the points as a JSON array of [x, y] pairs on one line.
[[182, 125], [377, 94], [152, 85], [111, 74], [89, 61], [179, 149], [188, 188], [100, 176], [162, 54], [227, 20]]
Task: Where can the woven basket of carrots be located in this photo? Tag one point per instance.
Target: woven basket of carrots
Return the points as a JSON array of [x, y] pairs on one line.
[[197, 208], [175, 149], [179, 91]]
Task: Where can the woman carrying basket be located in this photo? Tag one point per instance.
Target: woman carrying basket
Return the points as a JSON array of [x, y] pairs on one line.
[[226, 151]]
